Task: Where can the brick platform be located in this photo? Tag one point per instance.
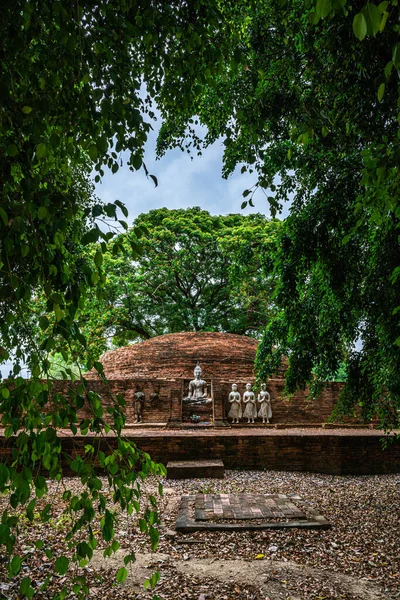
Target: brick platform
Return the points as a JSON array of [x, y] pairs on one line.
[[187, 469], [335, 451], [229, 512]]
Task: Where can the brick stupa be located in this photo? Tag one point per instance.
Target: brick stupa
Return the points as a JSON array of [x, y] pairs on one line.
[[222, 356]]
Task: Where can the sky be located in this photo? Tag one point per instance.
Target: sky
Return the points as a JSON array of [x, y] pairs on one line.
[[182, 183]]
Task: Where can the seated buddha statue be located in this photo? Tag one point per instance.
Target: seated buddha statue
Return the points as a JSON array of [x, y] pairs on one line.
[[198, 389]]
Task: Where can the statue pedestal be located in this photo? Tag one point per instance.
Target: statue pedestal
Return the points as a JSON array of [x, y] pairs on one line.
[[192, 409]]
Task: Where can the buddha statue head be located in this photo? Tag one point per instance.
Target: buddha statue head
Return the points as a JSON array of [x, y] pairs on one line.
[[197, 371]]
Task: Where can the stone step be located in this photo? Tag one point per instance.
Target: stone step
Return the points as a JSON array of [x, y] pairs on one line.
[[188, 469]]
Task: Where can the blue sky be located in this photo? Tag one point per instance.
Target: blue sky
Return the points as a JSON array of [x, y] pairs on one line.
[[182, 183]]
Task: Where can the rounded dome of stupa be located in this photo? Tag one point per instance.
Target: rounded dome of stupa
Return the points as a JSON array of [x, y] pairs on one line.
[[221, 356]]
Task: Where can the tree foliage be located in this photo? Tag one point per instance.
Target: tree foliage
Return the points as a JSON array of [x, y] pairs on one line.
[[304, 94], [311, 108], [184, 270], [70, 101]]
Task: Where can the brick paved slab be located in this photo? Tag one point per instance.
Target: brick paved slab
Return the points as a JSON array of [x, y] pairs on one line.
[[235, 512]]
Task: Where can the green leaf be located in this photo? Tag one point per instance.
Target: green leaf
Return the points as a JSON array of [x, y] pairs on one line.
[[373, 17], [98, 259], [388, 69], [152, 581], [4, 474], [43, 323], [4, 533], [122, 206], [25, 586], [360, 26], [92, 151], [129, 558], [136, 161], [41, 150], [15, 565], [12, 150], [381, 91], [122, 574], [154, 178], [42, 212], [385, 17], [61, 565], [107, 526], [4, 216], [396, 56], [27, 110], [323, 8], [45, 513]]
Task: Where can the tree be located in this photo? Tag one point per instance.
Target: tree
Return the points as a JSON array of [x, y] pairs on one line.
[[195, 272], [311, 107], [70, 102]]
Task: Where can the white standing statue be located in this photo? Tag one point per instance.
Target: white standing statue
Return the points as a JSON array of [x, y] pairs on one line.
[[249, 400], [235, 412], [265, 404]]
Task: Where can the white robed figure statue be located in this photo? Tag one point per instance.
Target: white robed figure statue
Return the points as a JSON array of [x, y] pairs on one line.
[[249, 400], [235, 412], [265, 404]]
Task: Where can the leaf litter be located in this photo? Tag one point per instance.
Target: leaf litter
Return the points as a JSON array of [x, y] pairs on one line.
[[359, 558]]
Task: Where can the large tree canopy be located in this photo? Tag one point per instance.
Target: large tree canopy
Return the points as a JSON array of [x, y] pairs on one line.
[[194, 272], [71, 100]]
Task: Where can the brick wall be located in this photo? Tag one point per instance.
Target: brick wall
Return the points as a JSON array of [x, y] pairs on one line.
[[335, 454], [157, 405], [163, 400]]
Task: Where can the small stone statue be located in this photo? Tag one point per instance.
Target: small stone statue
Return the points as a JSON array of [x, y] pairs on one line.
[[198, 389], [249, 400], [235, 412], [138, 407], [265, 404]]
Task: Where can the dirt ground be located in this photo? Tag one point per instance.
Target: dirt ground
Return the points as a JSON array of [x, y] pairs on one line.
[[357, 559]]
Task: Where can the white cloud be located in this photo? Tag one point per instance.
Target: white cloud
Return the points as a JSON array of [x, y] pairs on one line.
[[182, 183]]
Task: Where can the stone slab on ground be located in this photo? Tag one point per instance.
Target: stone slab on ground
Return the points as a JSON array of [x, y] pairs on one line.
[[188, 469], [238, 512]]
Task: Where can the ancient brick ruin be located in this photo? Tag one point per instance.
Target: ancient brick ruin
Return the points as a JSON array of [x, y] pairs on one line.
[[298, 438], [162, 368]]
